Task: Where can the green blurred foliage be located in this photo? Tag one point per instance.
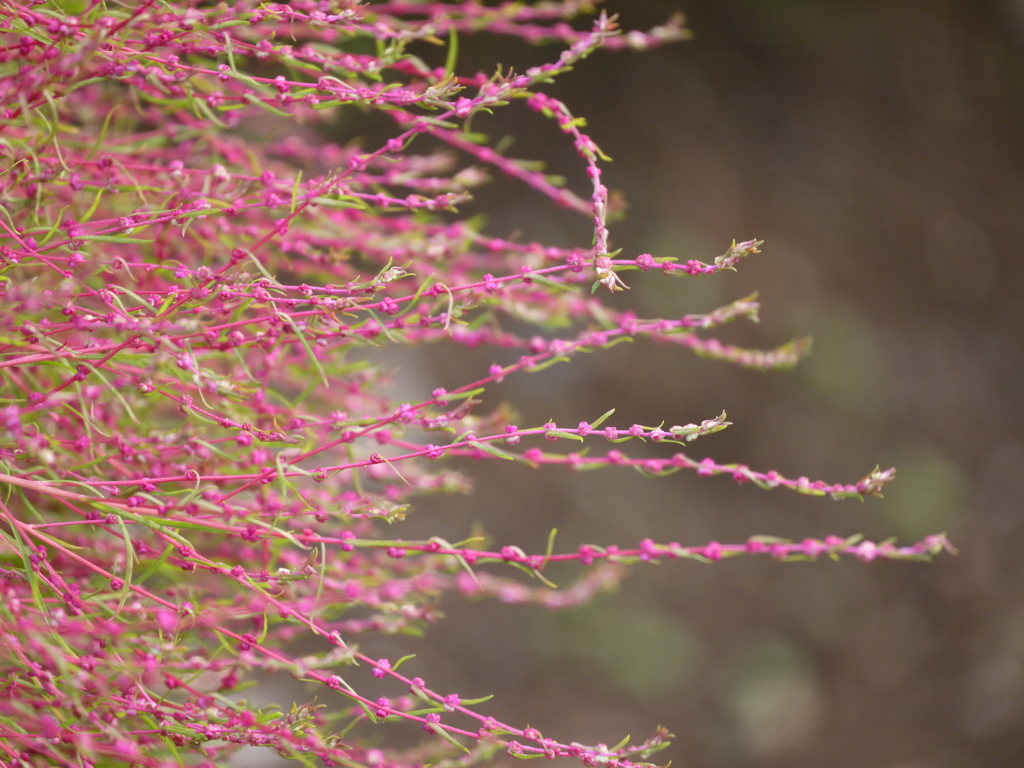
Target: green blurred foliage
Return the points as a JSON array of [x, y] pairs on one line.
[[846, 368], [771, 693], [639, 650], [75, 7], [930, 496]]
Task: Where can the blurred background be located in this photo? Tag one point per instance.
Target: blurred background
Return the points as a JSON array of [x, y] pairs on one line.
[[876, 147]]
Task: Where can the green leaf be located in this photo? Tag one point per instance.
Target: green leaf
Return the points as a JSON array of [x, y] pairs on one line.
[[114, 391], [538, 575], [53, 229], [494, 451], [382, 324], [393, 469], [474, 702], [688, 555], [427, 711], [260, 267], [92, 208], [365, 707], [305, 345], [545, 280], [129, 560], [602, 420], [547, 364], [447, 398], [30, 574], [295, 188], [436, 728], [155, 566], [256, 101], [112, 238], [82, 84], [323, 573], [551, 546], [231, 23], [563, 435], [453, 51]]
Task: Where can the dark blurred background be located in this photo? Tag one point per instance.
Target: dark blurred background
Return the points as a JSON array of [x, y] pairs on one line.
[[876, 148]]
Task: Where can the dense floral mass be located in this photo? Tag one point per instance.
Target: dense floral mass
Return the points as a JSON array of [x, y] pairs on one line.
[[197, 453]]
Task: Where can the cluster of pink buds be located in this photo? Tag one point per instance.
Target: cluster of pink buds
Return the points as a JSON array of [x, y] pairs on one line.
[[194, 469]]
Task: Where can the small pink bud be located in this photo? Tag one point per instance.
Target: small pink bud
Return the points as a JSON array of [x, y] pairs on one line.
[[713, 551]]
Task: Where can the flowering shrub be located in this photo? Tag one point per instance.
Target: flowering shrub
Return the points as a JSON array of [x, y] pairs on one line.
[[196, 464]]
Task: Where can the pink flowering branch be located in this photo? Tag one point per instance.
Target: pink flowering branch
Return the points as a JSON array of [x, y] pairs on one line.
[[196, 465]]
